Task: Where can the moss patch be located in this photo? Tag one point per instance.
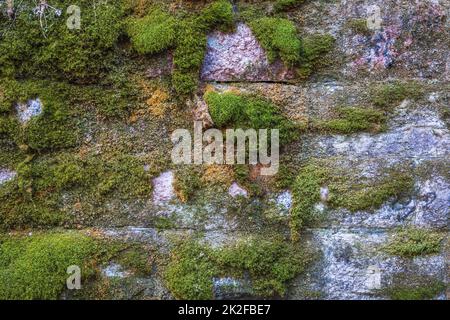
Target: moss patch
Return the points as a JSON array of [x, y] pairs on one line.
[[191, 43], [358, 26], [354, 119], [35, 267], [33, 199], [413, 242], [54, 128], [283, 5], [314, 50], [187, 181], [391, 94], [414, 288], [245, 111], [271, 263], [153, 33], [54, 50], [343, 191], [279, 38]]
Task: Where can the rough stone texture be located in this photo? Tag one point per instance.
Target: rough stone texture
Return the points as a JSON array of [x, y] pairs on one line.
[[235, 190], [200, 113], [26, 111], [412, 44], [239, 57], [115, 270], [231, 288], [163, 188], [354, 267], [6, 175], [284, 200]]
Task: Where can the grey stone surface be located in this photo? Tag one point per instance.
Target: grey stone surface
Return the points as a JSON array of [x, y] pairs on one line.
[[26, 111], [6, 175]]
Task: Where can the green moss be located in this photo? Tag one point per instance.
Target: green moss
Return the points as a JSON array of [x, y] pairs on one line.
[[187, 181], [33, 199], [285, 177], [391, 94], [314, 48], [354, 119], [10, 156], [358, 26], [217, 14], [406, 287], [8, 127], [54, 50], [245, 111], [190, 271], [225, 108], [153, 33], [279, 38], [34, 267], [283, 5], [364, 196], [54, 128], [163, 223], [123, 176], [413, 242], [135, 259], [247, 12], [344, 191], [306, 193], [271, 263], [425, 292], [191, 43]]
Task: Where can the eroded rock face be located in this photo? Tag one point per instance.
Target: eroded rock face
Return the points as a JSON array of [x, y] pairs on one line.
[[26, 111], [239, 57]]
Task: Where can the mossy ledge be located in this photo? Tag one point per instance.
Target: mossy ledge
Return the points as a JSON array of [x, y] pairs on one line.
[[412, 242], [271, 263], [34, 266], [343, 191], [249, 111], [415, 287]]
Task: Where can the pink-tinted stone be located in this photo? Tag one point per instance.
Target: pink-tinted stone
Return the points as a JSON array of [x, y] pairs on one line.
[[238, 56]]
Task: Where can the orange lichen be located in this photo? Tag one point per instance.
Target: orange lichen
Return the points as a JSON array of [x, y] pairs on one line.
[[216, 174], [158, 102]]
